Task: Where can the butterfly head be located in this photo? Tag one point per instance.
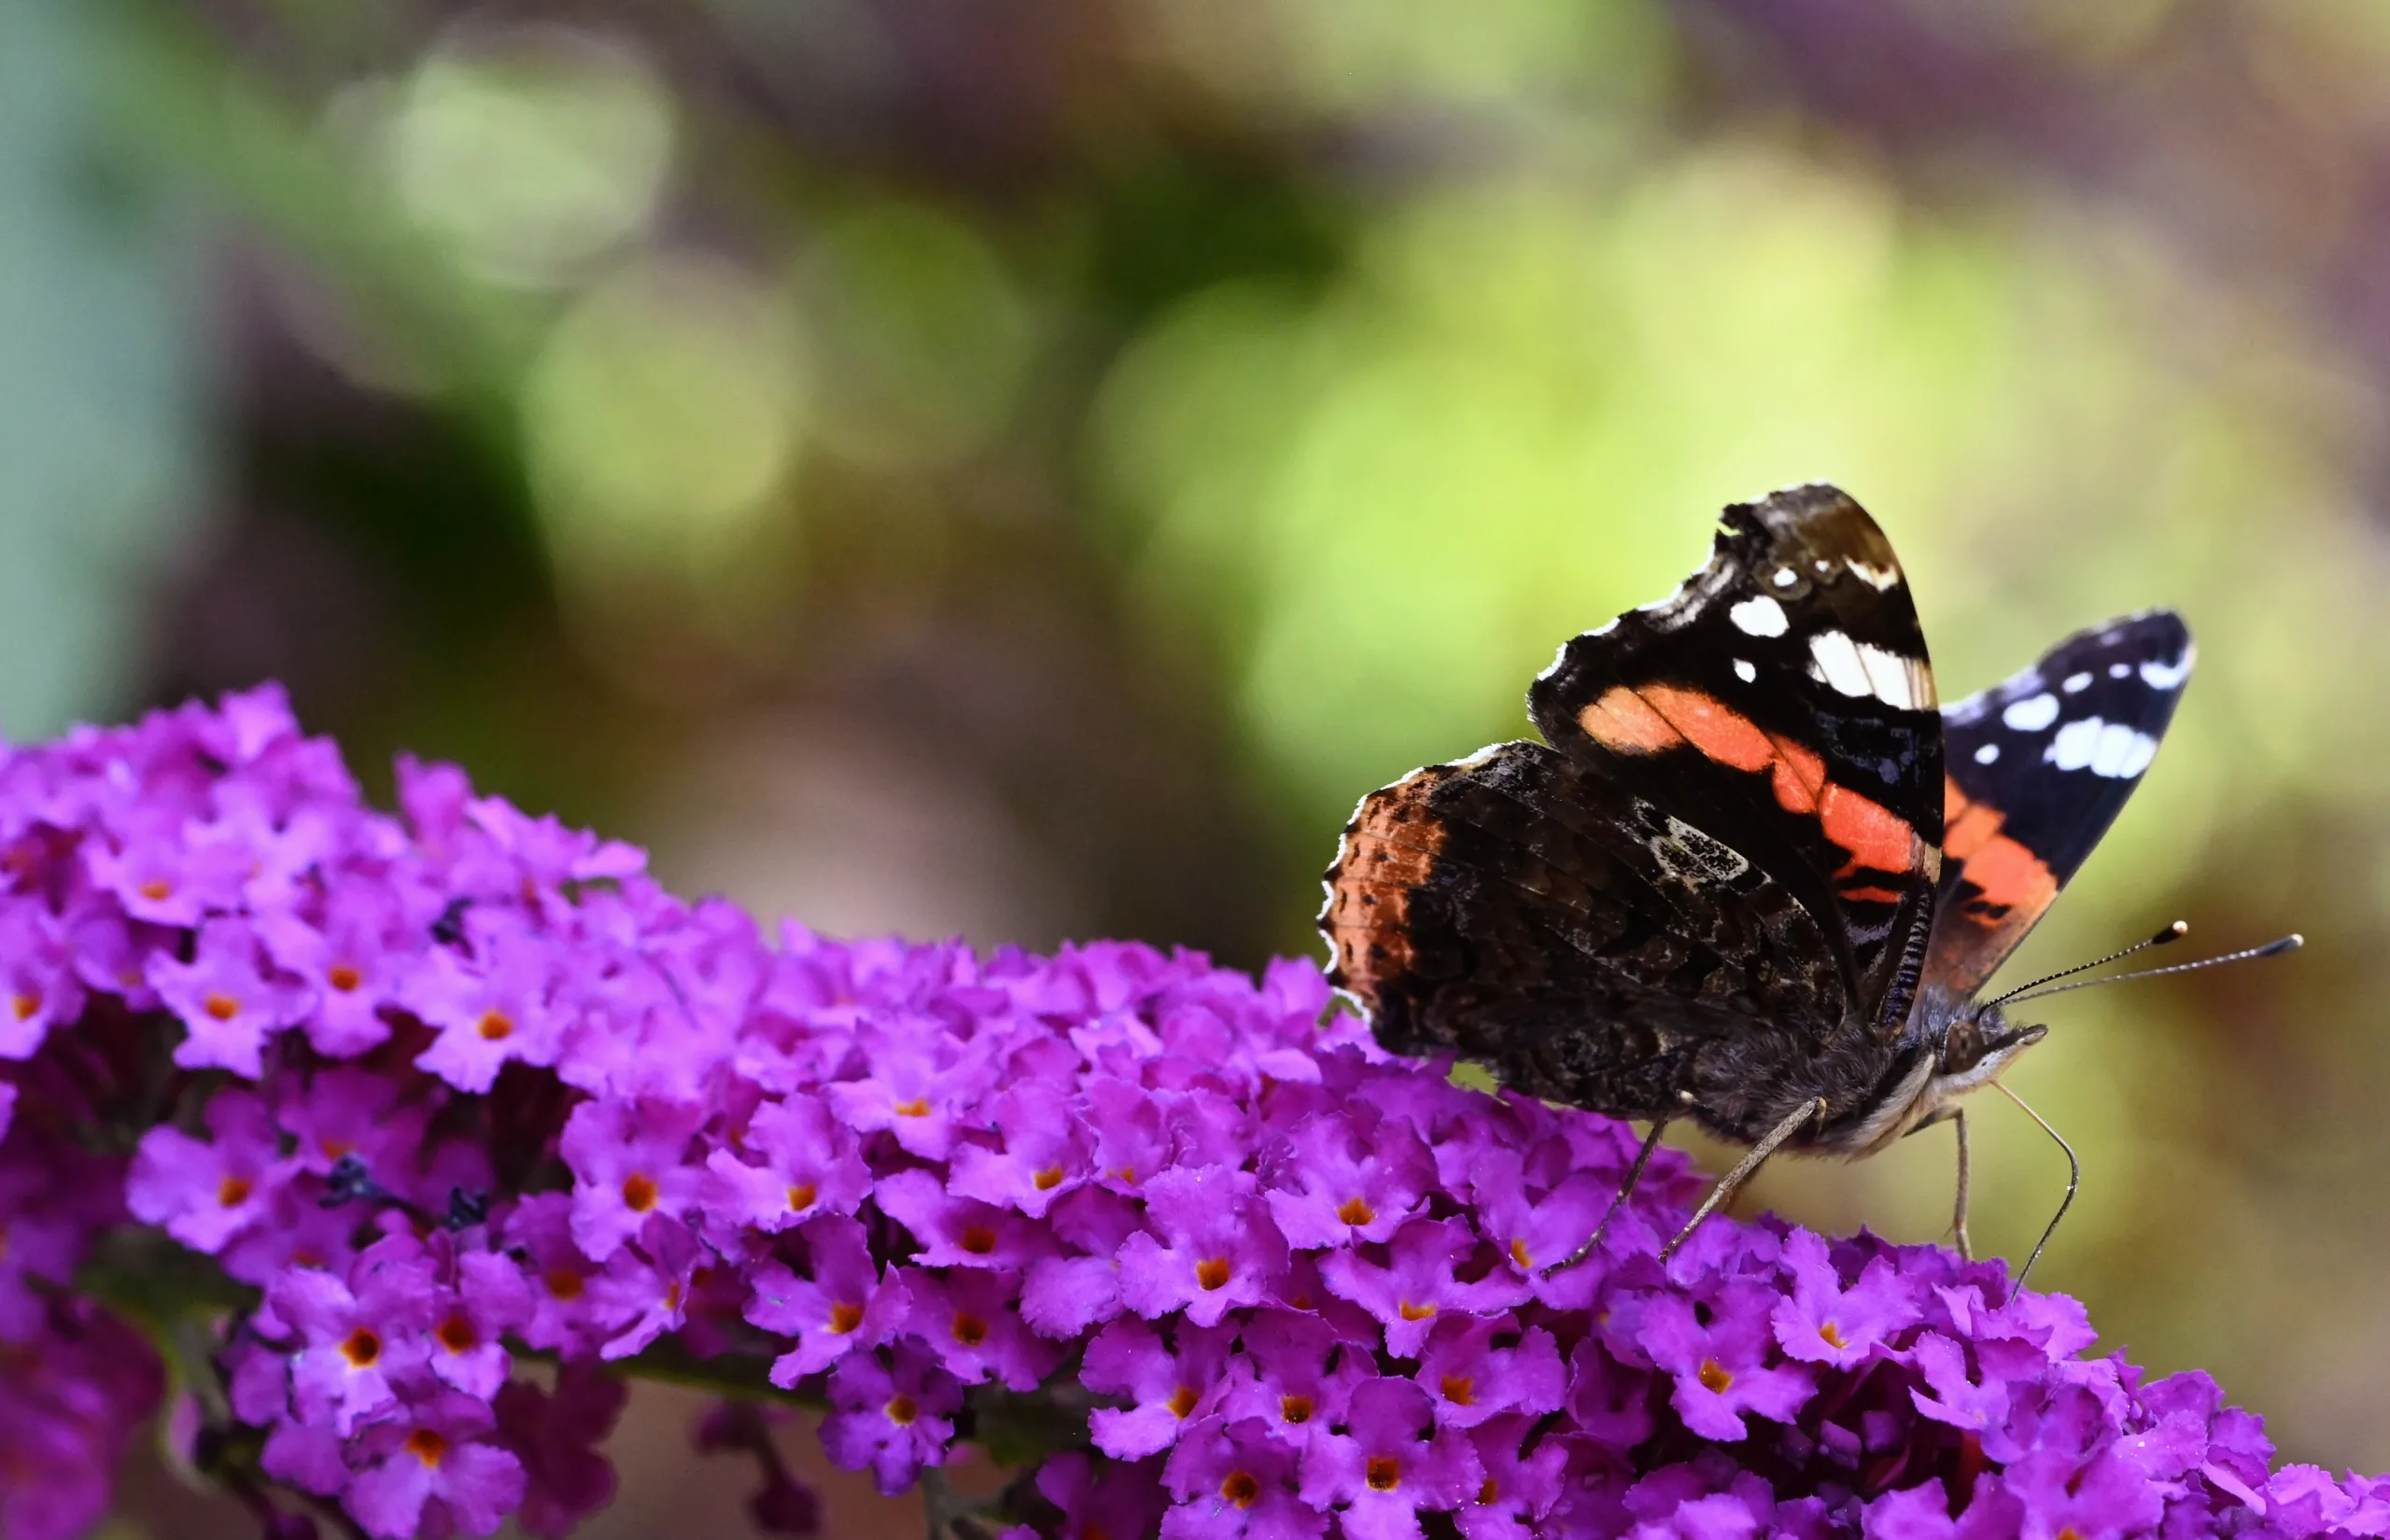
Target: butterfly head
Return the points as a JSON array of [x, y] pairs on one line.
[[1978, 1045]]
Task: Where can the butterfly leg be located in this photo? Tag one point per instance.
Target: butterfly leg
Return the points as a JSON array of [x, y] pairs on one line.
[[1735, 1179], [1634, 1175], [1954, 1113], [1959, 1219]]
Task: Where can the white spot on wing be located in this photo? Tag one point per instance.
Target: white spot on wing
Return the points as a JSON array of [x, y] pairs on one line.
[[1744, 671], [2074, 745], [1904, 682], [1786, 577], [1878, 578], [2119, 670], [1988, 754], [2115, 749], [2167, 676], [1759, 616], [2076, 683], [1837, 659], [2031, 714]]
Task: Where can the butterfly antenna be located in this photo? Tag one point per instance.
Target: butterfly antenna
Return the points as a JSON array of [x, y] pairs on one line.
[[2172, 932], [2290, 942], [2074, 1181]]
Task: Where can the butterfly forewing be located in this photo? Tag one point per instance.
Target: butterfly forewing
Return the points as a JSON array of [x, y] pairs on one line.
[[2038, 767], [1782, 703]]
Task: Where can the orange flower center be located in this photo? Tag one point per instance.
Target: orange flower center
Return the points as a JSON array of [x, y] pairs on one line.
[[563, 1283], [495, 1026], [1460, 1389], [232, 1191], [969, 1329], [1182, 1401], [1356, 1212], [1384, 1472], [1519, 1253], [344, 976], [1833, 1334], [801, 1196], [362, 1348], [901, 1410], [427, 1446], [1714, 1376], [457, 1335], [1294, 1409], [978, 1240], [844, 1318], [157, 889], [1049, 1179], [25, 1005], [1241, 1489], [1212, 1273], [220, 1006], [1415, 1313], [917, 1107], [1488, 1492], [639, 1193]]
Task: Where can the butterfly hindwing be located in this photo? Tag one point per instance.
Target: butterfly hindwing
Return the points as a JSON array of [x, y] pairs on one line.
[[2038, 766], [1520, 909], [1782, 703]]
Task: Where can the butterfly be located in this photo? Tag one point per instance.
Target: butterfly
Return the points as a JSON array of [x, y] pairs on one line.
[[1754, 874]]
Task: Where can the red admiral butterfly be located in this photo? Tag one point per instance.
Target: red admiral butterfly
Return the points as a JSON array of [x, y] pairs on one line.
[[1754, 876]]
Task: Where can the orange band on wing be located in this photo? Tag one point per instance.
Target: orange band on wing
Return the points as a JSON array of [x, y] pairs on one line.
[[1715, 728], [2009, 874], [1623, 722], [1874, 836], [1660, 716], [1800, 777]]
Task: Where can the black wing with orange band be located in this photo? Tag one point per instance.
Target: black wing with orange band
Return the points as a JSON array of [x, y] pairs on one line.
[[1782, 702], [2038, 767]]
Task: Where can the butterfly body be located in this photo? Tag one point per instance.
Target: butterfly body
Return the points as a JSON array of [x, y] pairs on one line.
[[1754, 874]]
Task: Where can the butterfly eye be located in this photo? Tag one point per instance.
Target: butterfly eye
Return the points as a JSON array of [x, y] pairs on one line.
[[1962, 1047]]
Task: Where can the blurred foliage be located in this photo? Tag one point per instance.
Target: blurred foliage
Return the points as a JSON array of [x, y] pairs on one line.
[[1028, 470]]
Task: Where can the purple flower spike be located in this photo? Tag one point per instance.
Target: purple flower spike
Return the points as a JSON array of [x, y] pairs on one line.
[[440, 1087]]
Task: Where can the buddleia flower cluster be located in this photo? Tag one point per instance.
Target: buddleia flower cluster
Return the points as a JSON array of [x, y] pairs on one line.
[[375, 1151]]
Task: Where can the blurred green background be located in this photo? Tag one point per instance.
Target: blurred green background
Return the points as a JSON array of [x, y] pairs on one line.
[[1026, 470]]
